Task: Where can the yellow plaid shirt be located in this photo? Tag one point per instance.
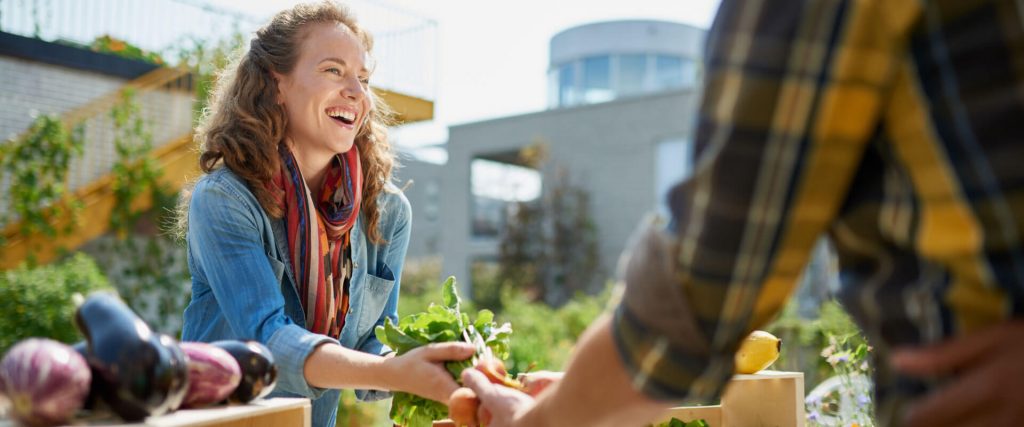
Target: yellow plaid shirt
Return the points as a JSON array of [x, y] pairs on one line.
[[894, 126]]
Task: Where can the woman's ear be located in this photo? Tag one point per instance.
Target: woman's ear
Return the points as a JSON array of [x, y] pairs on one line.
[[279, 82]]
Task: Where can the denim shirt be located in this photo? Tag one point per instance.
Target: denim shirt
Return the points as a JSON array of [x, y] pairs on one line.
[[243, 287]]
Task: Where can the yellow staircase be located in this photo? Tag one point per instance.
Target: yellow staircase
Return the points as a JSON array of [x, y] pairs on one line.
[[178, 159]]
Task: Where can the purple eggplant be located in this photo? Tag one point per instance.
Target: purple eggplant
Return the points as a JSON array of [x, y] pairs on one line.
[[139, 373], [46, 381], [213, 374], [91, 400], [259, 373], [176, 357]]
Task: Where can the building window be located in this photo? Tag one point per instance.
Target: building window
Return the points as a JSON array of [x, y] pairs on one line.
[[432, 210], [566, 85], [604, 78], [632, 73], [597, 82], [668, 72], [673, 162], [691, 73], [496, 187]]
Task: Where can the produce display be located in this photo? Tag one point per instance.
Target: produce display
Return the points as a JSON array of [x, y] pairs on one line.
[[213, 374], [126, 368], [758, 351], [259, 373], [447, 323], [45, 380], [138, 373]]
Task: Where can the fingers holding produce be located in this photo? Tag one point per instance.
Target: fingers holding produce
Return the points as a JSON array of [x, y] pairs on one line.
[[462, 407], [536, 382], [440, 324], [494, 369]]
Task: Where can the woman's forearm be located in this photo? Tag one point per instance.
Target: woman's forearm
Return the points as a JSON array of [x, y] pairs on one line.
[[333, 366]]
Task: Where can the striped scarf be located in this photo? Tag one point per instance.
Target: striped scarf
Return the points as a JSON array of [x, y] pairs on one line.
[[319, 238]]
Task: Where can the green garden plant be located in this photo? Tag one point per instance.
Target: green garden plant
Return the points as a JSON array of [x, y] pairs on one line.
[[36, 165], [39, 302]]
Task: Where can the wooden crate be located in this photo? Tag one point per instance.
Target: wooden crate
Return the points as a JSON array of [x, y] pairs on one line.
[[764, 399], [276, 412]]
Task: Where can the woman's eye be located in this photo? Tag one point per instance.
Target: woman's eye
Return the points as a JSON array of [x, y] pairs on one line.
[[334, 71], [364, 80]]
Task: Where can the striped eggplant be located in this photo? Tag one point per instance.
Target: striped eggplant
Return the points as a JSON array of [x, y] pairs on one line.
[[46, 381], [139, 373], [259, 374], [213, 374]]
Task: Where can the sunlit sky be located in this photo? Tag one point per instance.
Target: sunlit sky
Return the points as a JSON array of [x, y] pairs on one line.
[[492, 56]]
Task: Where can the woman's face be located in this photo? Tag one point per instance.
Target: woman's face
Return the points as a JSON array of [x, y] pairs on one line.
[[326, 94]]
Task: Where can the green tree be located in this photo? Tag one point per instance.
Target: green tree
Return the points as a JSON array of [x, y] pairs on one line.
[[549, 247]]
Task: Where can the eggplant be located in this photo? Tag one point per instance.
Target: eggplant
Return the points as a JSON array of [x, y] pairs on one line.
[[213, 374], [177, 358], [259, 373], [46, 381], [139, 373], [91, 399]]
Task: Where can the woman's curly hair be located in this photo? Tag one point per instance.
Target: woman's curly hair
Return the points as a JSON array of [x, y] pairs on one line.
[[243, 124]]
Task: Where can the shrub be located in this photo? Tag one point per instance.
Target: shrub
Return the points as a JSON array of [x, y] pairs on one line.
[[37, 302], [543, 337]]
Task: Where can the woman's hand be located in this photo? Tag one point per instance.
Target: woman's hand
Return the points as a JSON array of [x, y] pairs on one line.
[[421, 371]]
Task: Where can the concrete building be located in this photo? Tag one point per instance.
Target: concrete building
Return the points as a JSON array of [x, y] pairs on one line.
[[622, 98], [422, 183]]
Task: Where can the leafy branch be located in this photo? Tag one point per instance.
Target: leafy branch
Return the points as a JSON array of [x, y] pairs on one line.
[[135, 170], [37, 166]]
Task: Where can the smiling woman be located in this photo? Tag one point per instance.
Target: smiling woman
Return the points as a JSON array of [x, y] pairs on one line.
[[296, 236]]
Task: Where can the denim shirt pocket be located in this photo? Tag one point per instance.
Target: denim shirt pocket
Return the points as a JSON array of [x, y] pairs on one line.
[[376, 291], [277, 266]]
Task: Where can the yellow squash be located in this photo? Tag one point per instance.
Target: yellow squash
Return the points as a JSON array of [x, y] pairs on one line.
[[757, 351]]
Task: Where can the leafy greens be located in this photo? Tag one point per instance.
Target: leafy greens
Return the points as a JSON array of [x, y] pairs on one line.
[[440, 323]]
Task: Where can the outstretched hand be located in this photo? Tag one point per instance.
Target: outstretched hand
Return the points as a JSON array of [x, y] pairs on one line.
[[985, 368], [421, 371], [502, 406]]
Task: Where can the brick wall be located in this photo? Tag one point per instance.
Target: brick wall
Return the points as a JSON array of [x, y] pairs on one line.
[[28, 88]]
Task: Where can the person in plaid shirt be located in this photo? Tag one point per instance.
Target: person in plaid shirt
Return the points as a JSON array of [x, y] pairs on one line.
[[894, 126]]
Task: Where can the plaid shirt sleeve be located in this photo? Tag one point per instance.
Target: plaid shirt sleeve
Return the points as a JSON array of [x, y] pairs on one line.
[[793, 93]]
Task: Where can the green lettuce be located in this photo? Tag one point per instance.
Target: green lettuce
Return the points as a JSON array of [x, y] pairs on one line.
[[440, 323]]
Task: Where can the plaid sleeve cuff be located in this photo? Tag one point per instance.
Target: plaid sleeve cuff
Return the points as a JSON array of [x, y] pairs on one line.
[[664, 371]]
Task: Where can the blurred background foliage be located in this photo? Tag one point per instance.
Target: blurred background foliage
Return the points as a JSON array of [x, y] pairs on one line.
[[39, 302]]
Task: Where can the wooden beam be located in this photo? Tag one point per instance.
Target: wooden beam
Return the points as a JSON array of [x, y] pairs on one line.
[[407, 108]]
